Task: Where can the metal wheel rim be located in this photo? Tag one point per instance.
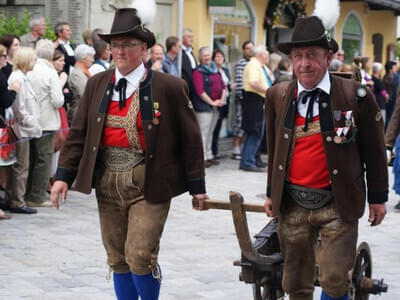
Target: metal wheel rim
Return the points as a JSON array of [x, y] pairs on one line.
[[362, 267]]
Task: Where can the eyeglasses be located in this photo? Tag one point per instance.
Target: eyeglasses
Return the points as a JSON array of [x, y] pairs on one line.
[[124, 46]]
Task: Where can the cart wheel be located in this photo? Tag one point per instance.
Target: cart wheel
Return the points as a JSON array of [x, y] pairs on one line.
[[362, 269], [265, 292]]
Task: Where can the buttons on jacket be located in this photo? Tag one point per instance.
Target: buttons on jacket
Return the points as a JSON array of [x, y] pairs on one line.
[[98, 120], [94, 148], [324, 105], [149, 127], [280, 167], [329, 139], [335, 171], [286, 136]]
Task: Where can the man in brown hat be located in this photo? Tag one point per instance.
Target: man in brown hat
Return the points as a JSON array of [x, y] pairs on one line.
[[135, 139], [323, 132]]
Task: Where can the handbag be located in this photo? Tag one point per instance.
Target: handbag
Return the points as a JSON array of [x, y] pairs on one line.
[[12, 136]]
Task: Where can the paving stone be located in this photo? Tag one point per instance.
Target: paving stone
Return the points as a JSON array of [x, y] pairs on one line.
[[58, 254]]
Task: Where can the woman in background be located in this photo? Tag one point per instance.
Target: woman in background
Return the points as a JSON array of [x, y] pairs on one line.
[[102, 57], [209, 94], [79, 75], [7, 97], [26, 112], [12, 43]]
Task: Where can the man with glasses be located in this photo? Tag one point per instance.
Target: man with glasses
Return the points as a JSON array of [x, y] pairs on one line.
[[135, 139]]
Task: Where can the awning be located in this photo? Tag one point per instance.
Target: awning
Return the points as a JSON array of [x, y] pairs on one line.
[[385, 4]]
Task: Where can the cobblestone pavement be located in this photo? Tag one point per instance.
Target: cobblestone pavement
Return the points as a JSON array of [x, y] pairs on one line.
[[59, 254]]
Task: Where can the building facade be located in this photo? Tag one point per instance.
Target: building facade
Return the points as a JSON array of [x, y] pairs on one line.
[[365, 27]]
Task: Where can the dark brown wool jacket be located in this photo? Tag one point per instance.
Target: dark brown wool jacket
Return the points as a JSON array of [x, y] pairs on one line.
[[174, 152], [393, 129], [347, 163]]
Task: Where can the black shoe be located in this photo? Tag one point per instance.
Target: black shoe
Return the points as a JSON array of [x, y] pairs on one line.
[[23, 210], [260, 163], [219, 156], [4, 205], [214, 161], [236, 156], [397, 206], [251, 169]]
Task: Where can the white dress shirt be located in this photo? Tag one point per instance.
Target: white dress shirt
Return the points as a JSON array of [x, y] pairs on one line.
[[133, 81], [188, 51], [325, 85]]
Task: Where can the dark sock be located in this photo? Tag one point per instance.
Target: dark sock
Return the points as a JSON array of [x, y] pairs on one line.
[[124, 287]]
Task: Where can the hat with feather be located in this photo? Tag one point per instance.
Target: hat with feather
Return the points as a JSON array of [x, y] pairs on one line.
[[132, 22], [313, 30]]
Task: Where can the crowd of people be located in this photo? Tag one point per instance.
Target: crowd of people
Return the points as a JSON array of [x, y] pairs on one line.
[[219, 90]]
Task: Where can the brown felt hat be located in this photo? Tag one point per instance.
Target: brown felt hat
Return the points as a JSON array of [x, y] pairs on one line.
[[127, 23], [309, 31]]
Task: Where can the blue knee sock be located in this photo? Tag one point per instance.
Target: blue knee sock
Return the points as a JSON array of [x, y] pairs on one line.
[[124, 287], [147, 286], [324, 296]]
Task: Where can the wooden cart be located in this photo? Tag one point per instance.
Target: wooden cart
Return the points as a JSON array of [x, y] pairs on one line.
[[262, 263]]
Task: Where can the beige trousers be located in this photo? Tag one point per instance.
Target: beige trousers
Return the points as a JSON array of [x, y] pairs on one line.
[[298, 232], [131, 227]]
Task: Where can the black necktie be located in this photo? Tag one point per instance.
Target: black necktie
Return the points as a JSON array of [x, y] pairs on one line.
[[121, 88], [313, 95]]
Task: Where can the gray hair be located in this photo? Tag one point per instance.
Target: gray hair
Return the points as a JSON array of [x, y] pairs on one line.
[[82, 51], [204, 49], [335, 65], [186, 31], [45, 49], [257, 50], [34, 22], [376, 67]]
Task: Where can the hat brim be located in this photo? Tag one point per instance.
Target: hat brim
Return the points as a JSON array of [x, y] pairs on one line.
[[322, 42], [144, 35]]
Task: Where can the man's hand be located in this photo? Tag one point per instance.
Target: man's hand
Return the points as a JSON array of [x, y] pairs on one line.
[[376, 213], [201, 198], [156, 66], [268, 206], [59, 188]]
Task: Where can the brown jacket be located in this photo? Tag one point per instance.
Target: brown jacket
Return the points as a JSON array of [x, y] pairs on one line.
[[174, 155], [346, 162], [393, 129]]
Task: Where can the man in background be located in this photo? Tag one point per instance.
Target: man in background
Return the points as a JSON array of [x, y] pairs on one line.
[[37, 28]]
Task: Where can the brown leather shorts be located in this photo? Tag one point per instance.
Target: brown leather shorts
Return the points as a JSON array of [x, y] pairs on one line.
[[131, 227]]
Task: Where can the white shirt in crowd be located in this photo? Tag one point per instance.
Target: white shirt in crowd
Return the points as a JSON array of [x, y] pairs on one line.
[[189, 52], [133, 79]]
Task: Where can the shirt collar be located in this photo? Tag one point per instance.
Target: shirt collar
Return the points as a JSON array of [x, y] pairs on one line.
[[187, 49], [324, 84], [63, 43], [133, 77]]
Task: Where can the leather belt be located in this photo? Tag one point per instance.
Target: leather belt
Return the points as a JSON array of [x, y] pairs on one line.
[[120, 159], [308, 198]]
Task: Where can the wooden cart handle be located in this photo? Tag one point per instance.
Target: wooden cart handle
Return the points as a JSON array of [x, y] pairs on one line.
[[214, 204]]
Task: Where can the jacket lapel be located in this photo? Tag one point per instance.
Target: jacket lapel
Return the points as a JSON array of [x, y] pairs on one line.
[[107, 93], [289, 101]]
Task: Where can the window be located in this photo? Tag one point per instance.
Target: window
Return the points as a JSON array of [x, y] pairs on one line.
[[352, 38]]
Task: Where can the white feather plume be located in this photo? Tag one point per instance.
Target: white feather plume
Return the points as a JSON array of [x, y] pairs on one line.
[[146, 10], [328, 11]]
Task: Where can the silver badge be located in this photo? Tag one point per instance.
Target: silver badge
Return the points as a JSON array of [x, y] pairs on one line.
[[361, 92]]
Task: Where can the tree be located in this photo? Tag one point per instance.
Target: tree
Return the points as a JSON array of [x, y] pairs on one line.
[[19, 25]]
